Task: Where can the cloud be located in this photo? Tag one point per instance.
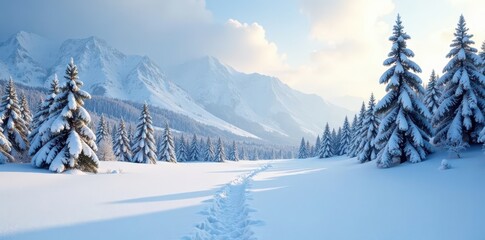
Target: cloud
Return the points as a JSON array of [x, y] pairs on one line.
[[246, 47], [353, 38]]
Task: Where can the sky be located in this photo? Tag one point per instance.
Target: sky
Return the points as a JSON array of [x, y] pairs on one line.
[[331, 48]]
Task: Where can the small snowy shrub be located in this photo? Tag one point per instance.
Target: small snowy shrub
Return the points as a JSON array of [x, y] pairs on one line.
[[444, 165], [456, 147]]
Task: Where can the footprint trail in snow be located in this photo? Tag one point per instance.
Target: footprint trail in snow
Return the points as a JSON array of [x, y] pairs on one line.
[[228, 216]]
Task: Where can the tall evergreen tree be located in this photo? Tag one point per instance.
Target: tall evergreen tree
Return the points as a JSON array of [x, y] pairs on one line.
[[460, 115], [335, 142], [101, 130], [404, 131], [41, 132], [194, 150], [357, 133], [345, 138], [144, 148], [14, 126], [209, 151], [302, 153], [234, 154], [326, 146], [220, 153], [182, 153], [242, 154], [167, 146], [317, 147], [308, 149], [122, 147], [367, 149], [433, 94], [5, 148], [25, 112], [72, 144]]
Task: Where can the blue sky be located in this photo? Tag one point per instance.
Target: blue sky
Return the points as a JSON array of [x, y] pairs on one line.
[[327, 47]]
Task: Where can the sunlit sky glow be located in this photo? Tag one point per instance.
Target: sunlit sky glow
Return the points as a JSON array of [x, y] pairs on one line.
[[331, 48]]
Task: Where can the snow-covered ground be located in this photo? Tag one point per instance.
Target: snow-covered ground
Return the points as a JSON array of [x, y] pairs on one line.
[[334, 198]]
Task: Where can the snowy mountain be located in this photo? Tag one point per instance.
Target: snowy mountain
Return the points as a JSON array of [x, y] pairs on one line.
[[260, 104], [33, 60], [248, 105]]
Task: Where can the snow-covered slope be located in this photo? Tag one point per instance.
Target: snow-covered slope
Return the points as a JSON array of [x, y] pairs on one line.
[[255, 102], [335, 198], [104, 70]]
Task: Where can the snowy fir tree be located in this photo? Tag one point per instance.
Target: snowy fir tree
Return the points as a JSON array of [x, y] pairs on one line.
[[317, 146], [101, 130], [308, 149], [41, 132], [335, 141], [26, 115], [181, 154], [5, 148], [326, 146], [234, 154], [433, 94], [209, 151], [122, 147], [105, 149], [242, 154], [71, 143], [459, 117], [345, 138], [302, 152], [357, 133], [194, 150], [167, 147], [404, 131], [144, 148], [367, 149], [220, 153], [15, 129]]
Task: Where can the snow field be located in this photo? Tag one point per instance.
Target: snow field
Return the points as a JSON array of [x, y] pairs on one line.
[[228, 217], [142, 201]]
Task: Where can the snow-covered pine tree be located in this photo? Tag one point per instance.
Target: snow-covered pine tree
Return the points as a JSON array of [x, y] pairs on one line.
[[41, 132], [459, 117], [101, 130], [308, 149], [404, 131], [25, 112], [72, 143], [334, 139], [255, 154], [113, 132], [234, 154], [302, 152], [105, 149], [144, 148], [15, 129], [182, 154], [358, 132], [209, 151], [167, 146], [194, 150], [242, 154], [326, 146], [5, 148], [345, 138], [317, 147], [220, 153], [122, 147], [433, 94], [367, 148]]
